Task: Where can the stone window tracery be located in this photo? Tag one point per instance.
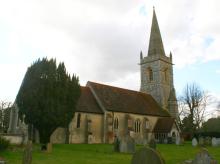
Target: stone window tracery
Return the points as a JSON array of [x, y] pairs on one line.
[[137, 126]]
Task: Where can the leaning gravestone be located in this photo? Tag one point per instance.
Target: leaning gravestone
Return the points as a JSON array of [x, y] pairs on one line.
[[127, 145], [203, 157], [194, 142], [147, 156], [27, 156]]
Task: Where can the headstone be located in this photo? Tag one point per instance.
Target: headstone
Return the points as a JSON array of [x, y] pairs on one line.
[[27, 155], [194, 142], [127, 145], [147, 155], [152, 144], [169, 140], [214, 142], [116, 144], [203, 157], [49, 147], [201, 141], [178, 140]]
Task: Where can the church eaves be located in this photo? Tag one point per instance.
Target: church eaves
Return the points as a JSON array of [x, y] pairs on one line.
[[155, 43]]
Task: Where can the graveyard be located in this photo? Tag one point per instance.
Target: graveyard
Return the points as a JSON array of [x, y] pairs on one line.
[[103, 153]]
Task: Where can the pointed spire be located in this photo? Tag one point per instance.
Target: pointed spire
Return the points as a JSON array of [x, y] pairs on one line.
[[141, 55], [155, 43], [171, 56]]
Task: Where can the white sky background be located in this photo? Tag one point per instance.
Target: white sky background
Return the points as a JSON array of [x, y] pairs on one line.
[[100, 40]]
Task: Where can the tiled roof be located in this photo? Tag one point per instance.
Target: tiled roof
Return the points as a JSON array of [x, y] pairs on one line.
[[87, 102], [163, 125], [127, 101]]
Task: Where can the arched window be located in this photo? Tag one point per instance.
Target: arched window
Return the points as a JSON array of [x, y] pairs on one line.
[[78, 120], [137, 126], [116, 123], [150, 74]]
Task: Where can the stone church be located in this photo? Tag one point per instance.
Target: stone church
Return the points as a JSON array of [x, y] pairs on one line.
[[104, 112]]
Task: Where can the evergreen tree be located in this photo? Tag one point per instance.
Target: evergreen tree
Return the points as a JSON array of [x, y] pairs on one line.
[[47, 97]]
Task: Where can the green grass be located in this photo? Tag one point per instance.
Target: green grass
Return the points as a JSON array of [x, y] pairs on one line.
[[100, 154]]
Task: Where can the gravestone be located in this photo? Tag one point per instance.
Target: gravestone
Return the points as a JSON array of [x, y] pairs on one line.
[[214, 142], [127, 145], [116, 144], [178, 140], [147, 156], [201, 141], [203, 157], [152, 144], [49, 147], [27, 155], [194, 142]]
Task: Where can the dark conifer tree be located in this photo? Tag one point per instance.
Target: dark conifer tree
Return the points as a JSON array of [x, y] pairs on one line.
[[47, 97]]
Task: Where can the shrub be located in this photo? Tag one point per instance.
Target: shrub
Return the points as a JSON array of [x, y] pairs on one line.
[[3, 143]]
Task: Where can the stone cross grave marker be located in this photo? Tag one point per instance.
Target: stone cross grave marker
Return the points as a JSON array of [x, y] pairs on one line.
[[147, 156], [194, 142]]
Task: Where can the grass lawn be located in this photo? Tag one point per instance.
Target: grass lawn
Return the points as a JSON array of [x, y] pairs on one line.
[[100, 154]]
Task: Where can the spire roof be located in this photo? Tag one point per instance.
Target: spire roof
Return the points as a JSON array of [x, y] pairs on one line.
[[155, 43]]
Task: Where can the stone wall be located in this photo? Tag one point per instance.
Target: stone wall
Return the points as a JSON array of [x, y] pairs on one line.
[[90, 130]]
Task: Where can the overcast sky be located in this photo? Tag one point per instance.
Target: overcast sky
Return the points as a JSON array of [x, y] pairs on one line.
[[100, 40]]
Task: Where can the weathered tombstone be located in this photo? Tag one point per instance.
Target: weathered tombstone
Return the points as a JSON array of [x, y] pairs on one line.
[[214, 142], [178, 140], [116, 144], [152, 144], [147, 156], [203, 157], [201, 141], [49, 147], [27, 155], [194, 142], [127, 145]]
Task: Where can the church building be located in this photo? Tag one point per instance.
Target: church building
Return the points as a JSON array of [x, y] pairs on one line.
[[104, 112]]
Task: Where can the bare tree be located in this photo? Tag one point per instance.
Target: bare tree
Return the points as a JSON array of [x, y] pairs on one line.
[[4, 115], [193, 105]]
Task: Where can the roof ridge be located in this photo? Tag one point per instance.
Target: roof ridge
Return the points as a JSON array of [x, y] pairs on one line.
[[125, 89]]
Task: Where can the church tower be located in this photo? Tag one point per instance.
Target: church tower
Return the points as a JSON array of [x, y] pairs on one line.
[[157, 72]]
